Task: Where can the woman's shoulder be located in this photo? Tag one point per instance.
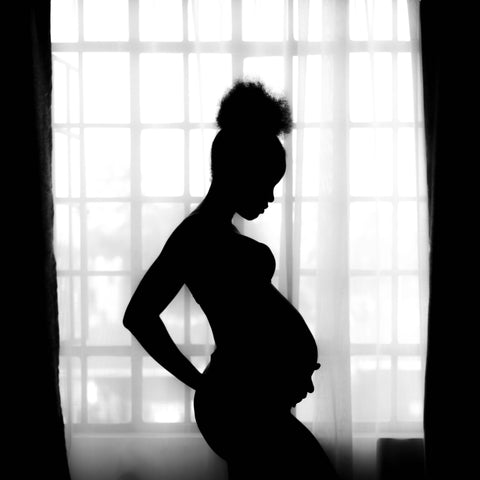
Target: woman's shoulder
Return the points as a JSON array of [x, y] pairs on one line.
[[195, 224], [193, 230], [186, 231]]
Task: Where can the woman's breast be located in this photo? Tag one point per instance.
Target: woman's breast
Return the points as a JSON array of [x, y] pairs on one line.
[[231, 281]]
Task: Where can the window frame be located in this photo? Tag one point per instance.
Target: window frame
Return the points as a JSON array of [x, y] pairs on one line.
[[238, 49]]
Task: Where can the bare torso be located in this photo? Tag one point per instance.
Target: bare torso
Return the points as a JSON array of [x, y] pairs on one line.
[[261, 339]]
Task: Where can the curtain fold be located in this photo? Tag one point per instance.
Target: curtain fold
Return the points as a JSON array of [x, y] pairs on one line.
[[37, 444], [449, 389]]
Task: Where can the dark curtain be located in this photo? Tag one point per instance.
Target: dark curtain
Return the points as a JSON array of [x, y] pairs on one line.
[[34, 438], [450, 383]]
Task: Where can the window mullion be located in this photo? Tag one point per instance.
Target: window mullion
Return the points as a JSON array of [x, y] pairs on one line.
[[187, 128], [83, 234], [135, 205], [395, 200]]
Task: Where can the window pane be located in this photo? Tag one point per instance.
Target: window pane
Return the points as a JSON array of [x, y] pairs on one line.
[[361, 94], [69, 307], [408, 310], [370, 235], [309, 235], [370, 19], [370, 309], [158, 222], [263, 20], [161, 20], [407, 235], [65, 87], [200, 148], [64, 20], [403, 23], [383, 85], [205, 89], [67, 236], [108, 229], [163, 394], [70, 383], [370, 86], [308, 20], [308, 101], [405, 95], [270, 70], [161, 87], [60, 90], [409, 389], [107, 300], [315, 147], [371, 161], [106, 82], [382, 20], [209, 20], [308, 145], [66, 163], [107, 162], [162, 162], [406, 162], [109, 390], [105, 20], [371, 386], [358, 25]]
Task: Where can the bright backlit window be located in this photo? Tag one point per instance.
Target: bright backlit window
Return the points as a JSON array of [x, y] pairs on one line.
[[135, 97]]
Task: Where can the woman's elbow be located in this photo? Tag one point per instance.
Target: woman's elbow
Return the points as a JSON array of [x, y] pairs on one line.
[[129, 318], [136, 317]]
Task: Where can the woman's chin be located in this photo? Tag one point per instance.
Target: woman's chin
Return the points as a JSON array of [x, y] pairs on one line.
[[251, 214]]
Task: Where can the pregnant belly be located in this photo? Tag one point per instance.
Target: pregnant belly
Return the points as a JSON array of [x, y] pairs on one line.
[[288, 334], [264, 352], [266, 329]]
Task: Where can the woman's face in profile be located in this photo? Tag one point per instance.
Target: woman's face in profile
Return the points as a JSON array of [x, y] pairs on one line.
[[256, 192]]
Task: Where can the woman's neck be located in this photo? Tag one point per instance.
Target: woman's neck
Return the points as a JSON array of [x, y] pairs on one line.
[[217, 204]]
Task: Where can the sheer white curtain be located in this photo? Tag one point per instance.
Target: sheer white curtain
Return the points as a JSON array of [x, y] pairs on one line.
[[354, 219], [136, 86]]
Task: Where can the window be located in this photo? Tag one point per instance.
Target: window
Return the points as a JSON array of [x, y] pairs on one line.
[[135, 96]]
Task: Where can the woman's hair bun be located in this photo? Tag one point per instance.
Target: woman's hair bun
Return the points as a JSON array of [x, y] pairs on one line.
[[249, 105]]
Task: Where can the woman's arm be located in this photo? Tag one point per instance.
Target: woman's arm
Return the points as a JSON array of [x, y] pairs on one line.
[[156, 290]]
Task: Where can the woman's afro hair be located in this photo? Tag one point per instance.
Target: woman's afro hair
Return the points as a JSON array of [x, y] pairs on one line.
[[249, 105]]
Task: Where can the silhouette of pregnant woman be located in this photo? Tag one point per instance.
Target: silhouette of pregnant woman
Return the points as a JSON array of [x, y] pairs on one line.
[[265, 354]]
